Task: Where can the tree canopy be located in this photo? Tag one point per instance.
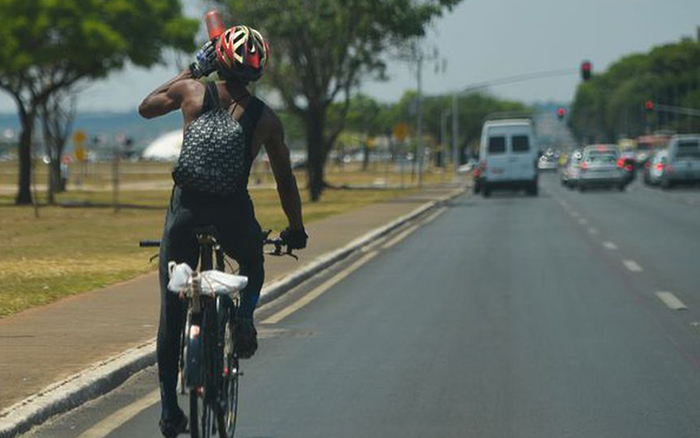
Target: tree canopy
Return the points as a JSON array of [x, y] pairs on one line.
[[611, 104], [323, 49], [49, 45]]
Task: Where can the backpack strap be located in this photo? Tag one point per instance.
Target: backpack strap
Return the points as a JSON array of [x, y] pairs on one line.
[[249, 121], [211, 97], [251, 116]]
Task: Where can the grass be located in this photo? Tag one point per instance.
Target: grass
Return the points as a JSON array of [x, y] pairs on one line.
[[66, 251]]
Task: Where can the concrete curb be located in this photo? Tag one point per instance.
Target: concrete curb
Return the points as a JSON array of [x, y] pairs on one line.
[[106, 375]]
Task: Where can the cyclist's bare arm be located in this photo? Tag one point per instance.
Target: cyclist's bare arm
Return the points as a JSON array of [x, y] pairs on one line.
[[278, 152], [181, 92]]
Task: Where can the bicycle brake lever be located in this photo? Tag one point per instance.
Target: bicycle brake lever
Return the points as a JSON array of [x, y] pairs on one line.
[[153, 257]]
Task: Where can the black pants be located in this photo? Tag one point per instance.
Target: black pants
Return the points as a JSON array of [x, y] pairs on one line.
[[241, 238]]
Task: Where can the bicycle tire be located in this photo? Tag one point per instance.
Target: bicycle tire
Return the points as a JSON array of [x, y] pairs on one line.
[[201, 414], [228, 407], [200, 378]]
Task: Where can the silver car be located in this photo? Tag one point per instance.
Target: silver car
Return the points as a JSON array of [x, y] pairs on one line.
[[683, 162], [570, 172], [600, 167]]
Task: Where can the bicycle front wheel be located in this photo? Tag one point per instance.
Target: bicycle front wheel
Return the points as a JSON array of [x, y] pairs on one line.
[[201, 415]]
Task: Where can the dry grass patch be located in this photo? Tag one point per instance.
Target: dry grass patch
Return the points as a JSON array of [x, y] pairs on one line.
[[71, 250]]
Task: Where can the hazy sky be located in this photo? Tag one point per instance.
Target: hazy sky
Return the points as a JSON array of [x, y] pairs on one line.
[[485, 40]]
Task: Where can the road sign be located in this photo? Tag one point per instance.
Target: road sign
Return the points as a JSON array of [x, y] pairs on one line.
[[401, 131], [79, 138], [80, 153]]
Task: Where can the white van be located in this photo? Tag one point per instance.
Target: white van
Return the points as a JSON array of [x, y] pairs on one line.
[[508, 156]]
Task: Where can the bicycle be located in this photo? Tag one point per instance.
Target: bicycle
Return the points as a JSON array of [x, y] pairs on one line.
[[209, 369]]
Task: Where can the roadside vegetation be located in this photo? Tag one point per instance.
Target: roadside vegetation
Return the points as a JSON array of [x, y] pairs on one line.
[[71, 249], [613, 103]]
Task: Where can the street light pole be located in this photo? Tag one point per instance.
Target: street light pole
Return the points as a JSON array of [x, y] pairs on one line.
[[455, 133]]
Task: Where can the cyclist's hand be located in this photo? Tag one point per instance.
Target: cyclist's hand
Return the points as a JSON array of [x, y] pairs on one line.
[[205, 61], [294, 239]]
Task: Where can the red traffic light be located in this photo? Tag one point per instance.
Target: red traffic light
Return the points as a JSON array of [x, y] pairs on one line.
[[586, 70], [561, 112], [649, 105]]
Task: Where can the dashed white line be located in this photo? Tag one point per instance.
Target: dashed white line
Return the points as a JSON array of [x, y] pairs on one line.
[[632, 265], [609, 245], [671, 301], [593, 231], [583, 221], [574, 214]]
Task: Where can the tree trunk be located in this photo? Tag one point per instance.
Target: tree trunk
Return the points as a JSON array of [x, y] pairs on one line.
[[24, 193], [54, 185], [316, 150], [365, 156]]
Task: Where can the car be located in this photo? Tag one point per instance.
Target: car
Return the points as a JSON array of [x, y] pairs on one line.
[[600, 168], [547, 162], [628, 163], [655, 167], [570, 172], [508, 156], [683, 161]]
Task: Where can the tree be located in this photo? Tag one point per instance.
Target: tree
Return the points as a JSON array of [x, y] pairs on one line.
[[49, 46], [57, 114], [612, 103], [323, 49]]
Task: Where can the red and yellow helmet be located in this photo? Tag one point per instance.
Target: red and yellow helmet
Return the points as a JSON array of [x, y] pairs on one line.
[[242, 52]]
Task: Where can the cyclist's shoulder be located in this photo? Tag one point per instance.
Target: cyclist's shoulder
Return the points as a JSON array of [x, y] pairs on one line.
[[268, 122]]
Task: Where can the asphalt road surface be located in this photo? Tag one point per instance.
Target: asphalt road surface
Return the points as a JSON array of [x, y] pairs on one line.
[[567, 315]]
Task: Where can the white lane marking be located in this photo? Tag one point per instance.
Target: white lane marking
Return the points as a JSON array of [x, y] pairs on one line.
[[434, 216], [117, 419], [632, 265], [306, 299], [583, 221], [609, 245], [399, 237], [574, 213], [593, 231], [671, 301]]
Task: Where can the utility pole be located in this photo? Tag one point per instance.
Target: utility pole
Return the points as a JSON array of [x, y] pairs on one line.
[[419, 108]]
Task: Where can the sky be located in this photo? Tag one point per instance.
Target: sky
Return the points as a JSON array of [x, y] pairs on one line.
[[481, 40]]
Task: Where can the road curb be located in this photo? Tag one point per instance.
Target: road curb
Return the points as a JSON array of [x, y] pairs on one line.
[[106, 375]]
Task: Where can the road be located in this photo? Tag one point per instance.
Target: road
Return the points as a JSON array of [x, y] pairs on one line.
[[503, 317]]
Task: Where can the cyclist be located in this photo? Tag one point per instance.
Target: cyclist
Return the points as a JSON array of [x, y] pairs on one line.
[[224, 128]]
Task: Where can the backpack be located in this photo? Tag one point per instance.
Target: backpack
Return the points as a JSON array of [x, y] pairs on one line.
[[215, 155]]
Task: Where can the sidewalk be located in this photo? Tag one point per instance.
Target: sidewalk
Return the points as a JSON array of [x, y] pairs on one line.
[[44, 345]]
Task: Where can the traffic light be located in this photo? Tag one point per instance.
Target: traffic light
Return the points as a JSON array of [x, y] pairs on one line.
[[649, 105], [561, 112], [586, 70]]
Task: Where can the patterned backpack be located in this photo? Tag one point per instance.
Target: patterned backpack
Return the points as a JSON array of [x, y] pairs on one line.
[[215, 156]]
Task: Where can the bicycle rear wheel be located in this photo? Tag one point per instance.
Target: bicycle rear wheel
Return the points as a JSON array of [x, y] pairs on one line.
[[228, 398]]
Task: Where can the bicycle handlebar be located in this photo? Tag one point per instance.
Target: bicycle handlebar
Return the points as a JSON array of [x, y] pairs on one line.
[[279, 244]]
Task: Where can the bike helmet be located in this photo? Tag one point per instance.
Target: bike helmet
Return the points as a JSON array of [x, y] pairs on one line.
[[242, 53]]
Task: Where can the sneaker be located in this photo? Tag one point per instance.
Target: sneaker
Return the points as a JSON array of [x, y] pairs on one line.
[[245, 338], [173, 428]]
